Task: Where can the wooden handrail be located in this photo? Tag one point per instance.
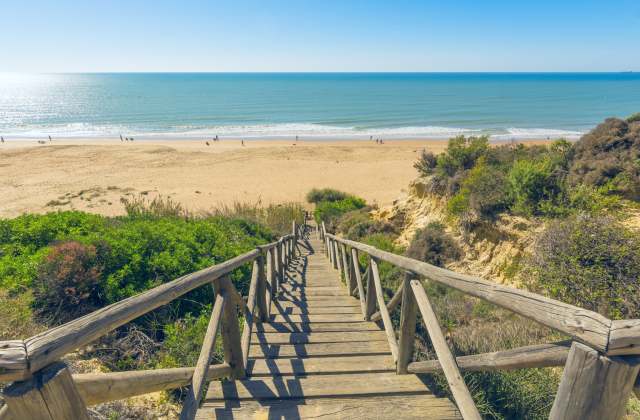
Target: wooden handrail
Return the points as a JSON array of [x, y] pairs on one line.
[[586, 326], [395, 301]]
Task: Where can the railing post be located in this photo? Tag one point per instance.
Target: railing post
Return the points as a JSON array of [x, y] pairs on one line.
[[408, 312], [261, 297], [345, 269], [594, 386], [371, 294], [355, 271], [295, 238], [275, 284], [281, 262], [50, 394], [336, 255], [230, 330], [268, 281]]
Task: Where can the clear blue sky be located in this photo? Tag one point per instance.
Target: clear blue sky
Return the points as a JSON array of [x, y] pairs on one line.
[[326, 35]]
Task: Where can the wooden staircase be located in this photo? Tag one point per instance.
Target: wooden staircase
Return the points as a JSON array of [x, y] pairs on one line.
[[317, 357]]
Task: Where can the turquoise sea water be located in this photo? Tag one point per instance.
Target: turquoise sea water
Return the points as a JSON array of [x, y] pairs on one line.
[[322, 105]]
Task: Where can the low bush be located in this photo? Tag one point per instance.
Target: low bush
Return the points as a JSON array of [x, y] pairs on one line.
[[589, 261], [331, 211], [68, 284], [277, 217], [434, 246], [426, 163], [316, 195], [358, 224], [533, 187], [482, 195]]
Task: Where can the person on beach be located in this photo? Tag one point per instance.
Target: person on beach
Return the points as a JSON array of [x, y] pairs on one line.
[[121, 137], [242, 142], [2, 139], [49, 138]]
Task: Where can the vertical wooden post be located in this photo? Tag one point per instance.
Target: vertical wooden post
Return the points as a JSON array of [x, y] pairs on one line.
[[230, 330], [336, 256], [327, 249], [371, 294], [275, 287], [261, 297], [384, 313], [408, 312], [50, 394], [355, 271], [295, 238], [281, 262], [268, 281], [347, 272], [594, 386]]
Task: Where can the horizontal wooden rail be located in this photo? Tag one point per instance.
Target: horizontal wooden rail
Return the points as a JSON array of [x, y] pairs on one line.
[[535, 356], [586, 326]]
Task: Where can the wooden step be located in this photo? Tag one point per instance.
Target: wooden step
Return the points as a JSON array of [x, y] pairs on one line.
[[346, 303], [355, 348], [316, 337], [315, 310], [320, 386], [405, 407], [316, 327], [317, 318], [320, 365]]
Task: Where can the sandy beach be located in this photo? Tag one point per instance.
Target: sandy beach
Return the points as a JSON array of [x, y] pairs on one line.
[[93, 175]]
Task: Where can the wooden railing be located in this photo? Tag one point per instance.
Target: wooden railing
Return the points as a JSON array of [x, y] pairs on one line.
[[601, 361], [44, 388]]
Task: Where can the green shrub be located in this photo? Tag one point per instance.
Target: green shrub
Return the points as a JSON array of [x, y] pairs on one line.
[[358, 224], [433, 245], [331, 211], [482, 194], [68, 283], [531, 185], [316, 196], [633, 118], [461, 154], [277, 217], [141, 207], [426, 163], [609, 154], [589, 261]]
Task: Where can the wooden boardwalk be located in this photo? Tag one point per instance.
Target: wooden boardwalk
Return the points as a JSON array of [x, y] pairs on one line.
[[318, 358]]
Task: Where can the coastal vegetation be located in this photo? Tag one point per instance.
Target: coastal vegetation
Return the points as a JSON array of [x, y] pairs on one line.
[[58, 266], [585, 252]]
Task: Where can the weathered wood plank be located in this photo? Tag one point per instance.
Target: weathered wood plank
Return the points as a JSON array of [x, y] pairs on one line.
[[317, 327], [315, 310], [13, 361], [356, 348], [594, 386], [535, 356], [586, 326], [318, 337], [249, 314], [320, 365], [337, 318], [97, 388], [457, 386], [194, 393], [351, 385], [624, 337], [405, 407]]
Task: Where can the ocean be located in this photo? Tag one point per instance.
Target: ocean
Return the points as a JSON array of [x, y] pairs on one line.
[[313, 105]]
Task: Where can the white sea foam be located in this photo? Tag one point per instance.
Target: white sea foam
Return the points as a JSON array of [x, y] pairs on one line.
[[285, 130]]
